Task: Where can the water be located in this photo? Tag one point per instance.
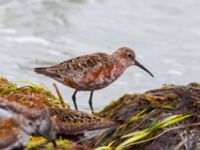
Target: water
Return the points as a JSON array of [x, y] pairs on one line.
[[164, 34]]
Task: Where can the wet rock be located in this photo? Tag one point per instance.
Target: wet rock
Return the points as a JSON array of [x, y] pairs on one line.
[[154, 106]]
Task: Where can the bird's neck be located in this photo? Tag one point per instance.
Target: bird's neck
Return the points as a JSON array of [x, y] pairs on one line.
[[119, 60], [120, 65]]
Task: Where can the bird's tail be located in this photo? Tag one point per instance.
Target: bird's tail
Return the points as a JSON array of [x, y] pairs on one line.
[[40, 70], [48, 72]]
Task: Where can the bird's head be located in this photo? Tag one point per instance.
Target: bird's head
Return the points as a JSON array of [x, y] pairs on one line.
[[26, 124], [127, 57], [46, 127]]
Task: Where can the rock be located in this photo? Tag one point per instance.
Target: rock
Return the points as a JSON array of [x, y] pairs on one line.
[[150, 108]]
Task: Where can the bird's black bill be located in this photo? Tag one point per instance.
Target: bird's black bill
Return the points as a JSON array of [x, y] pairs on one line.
[[142, 67]]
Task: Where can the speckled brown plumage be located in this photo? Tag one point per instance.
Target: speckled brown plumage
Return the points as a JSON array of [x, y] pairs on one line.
[[75, 72], [20, 103], [92, 72], [73, 122]]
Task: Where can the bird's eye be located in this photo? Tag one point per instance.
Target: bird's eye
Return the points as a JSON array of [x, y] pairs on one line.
[[30, 123], [130, 55]]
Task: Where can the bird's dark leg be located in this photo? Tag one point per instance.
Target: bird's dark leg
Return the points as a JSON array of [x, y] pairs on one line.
[[74, 99], [54, 143], [90, 102]]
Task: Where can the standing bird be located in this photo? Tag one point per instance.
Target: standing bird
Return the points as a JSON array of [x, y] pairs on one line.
[[92, 72]]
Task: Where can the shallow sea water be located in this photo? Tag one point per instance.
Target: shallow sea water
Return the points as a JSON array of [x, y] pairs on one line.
[[164, 34]]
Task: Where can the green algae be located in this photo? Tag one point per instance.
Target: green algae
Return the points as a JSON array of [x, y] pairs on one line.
[[133, 138], [31, 89], [41, 143]]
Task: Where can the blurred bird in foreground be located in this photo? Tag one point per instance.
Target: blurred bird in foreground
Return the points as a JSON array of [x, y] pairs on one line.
[[15, 131], [30, 108]]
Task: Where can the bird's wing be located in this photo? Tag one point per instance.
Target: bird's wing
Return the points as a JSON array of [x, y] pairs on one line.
[[72, 122], [78, 67]]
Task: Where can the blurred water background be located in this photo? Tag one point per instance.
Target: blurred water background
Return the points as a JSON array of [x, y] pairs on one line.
[[164, 34]]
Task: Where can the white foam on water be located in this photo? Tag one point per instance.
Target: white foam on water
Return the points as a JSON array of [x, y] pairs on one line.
[[7, 31], [28, 39], [175, 72]]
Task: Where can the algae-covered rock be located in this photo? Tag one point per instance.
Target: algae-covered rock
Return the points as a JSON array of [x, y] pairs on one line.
[[9, 89], [160, 119]]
